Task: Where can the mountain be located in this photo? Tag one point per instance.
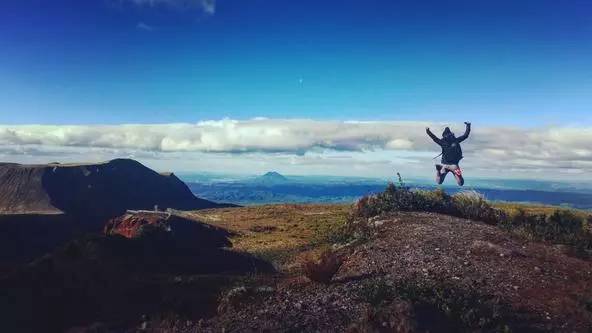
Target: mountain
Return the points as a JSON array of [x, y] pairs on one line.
[[271, 178], [42, 206], [102, 189]]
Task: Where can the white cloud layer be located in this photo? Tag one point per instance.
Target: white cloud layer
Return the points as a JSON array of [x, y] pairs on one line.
[[490, 150]]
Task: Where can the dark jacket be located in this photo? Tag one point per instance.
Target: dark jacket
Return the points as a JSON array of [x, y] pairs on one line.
[[451, 150]]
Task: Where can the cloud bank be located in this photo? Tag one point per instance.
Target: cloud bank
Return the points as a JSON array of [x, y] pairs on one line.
[[489, 149]]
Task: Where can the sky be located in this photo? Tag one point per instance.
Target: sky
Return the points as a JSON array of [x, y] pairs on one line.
[[303, 87]]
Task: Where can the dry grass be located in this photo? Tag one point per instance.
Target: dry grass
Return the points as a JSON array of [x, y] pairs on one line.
[[279, 233], [534, 209], [287, 235], [322, 269]]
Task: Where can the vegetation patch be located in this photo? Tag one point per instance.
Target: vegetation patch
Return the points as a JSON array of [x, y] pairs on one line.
[[453, 309], [421, 306], [279, 233], [376, 291], [323, 268], [560, 226]]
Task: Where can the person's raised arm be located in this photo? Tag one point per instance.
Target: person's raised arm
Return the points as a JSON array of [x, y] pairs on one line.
[[435, 138], [467, 132]]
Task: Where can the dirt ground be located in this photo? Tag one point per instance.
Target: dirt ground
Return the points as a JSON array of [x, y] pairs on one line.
[[432, 273]]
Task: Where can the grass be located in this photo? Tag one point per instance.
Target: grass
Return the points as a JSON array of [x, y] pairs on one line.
[[280, 233], [323, 268], [454, 309], [376, 291], [556, 225], [536, 209], [297, 239], [288, 234]]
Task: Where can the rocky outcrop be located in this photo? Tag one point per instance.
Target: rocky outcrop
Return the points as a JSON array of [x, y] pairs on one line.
[[183, 232]]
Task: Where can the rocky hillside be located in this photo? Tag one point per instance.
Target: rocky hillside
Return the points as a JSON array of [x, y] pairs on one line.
[[170, 264], [416, 272], [409, 272], [104, 189]]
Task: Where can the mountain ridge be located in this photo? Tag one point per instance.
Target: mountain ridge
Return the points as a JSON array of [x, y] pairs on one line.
[[96, 189]]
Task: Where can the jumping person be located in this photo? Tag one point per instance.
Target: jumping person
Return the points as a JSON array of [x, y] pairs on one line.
[[451, 153]]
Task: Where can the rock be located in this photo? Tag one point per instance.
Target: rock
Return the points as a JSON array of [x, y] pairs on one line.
[[379, 223], [480, 247], [181, 231]]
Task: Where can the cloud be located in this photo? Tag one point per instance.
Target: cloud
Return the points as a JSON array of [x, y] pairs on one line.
[[205, 6], [492, 150], [144, 26]]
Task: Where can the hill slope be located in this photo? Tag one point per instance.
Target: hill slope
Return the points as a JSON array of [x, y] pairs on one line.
[[174, 263], [427, 271], [104, 189]]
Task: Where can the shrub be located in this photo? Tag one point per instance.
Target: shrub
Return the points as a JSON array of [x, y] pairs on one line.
[[322, 269], [376, 292], [395, 317], [434, 201], [449, 309], [472, 205], [562, 226], [564, 223]]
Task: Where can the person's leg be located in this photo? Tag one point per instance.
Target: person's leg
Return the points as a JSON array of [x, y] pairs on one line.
[[458, 175], [438, 174], [441, 173]]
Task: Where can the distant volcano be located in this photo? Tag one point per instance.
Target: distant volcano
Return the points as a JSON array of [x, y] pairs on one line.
[[271, 178]]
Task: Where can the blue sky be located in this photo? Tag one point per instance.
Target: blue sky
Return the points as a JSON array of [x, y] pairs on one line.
[[120, 61], [302, 87]]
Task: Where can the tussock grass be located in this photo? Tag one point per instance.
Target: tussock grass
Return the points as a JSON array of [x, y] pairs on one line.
[[322, 269], [556, 225], [280, 233]]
